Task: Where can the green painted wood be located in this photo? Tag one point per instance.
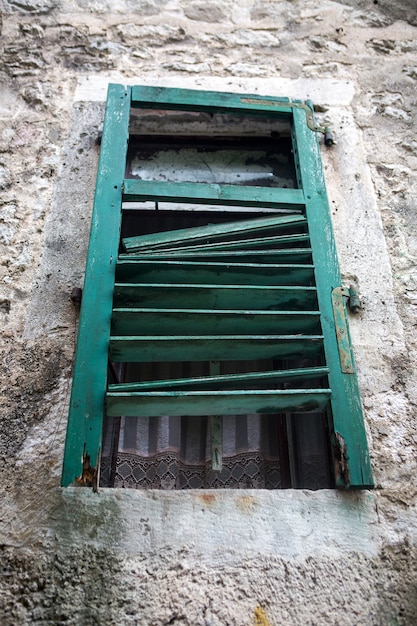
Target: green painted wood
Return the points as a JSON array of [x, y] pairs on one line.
[[211, 233], [151, 349], [257, 243], [216, 442], [208, 101], [216, 429], [195, 403], [90, 368], [226, 381], [141, 271], [86, 406], [347, 414], [347, 364], [285, 255], [208, 322], [216, 297], [202, 193]]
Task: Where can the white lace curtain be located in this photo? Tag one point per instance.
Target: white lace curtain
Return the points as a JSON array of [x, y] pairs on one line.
[[175, 453]]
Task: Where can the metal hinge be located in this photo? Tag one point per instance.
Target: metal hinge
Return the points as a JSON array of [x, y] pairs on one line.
[[311, 122]]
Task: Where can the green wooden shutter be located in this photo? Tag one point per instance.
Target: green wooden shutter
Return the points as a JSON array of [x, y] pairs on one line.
[[249, 289]]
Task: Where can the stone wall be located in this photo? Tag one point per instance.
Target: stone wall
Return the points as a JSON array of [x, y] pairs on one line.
[[204, 558]]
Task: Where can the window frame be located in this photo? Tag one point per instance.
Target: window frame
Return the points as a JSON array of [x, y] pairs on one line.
[[85, 422]]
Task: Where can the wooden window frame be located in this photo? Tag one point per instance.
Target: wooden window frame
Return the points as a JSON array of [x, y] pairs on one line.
[[85, 422]]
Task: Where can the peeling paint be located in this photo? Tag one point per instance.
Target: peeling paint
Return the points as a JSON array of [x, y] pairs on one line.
[[260, 617]]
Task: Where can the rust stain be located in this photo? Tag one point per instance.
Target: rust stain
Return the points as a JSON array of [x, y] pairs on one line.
[[263, 102], [207, 498], [88, 476], [260, 617], [246, 503]]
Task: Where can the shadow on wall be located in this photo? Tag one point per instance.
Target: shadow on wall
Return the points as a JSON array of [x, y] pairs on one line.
[[394, 10]]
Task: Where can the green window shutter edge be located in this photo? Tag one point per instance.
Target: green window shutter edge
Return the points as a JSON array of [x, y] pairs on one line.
[[85, 421], [210, 101], [348, 428], [83, 442]]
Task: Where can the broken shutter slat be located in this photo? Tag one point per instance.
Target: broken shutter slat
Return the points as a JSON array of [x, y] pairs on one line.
[[259, 227], [243, 244], [225, 381], [141, 190], [195, 403], [285, 255]]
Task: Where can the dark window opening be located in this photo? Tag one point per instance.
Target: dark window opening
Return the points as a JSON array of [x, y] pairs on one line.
[[244, 161]]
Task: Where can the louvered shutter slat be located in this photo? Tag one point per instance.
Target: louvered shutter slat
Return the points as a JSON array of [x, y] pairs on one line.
[[132, 321], [197, 403], [203, 296], [223, 273], [142, 349], [141, 190], [226, 381], [285, 255]]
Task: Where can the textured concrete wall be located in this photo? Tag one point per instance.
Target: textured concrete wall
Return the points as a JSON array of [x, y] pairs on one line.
[[204, 558]]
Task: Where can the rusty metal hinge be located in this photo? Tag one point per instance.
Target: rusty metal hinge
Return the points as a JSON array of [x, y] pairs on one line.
[[311, 123]]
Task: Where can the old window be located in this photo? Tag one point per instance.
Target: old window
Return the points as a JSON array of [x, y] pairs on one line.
[[207, 340]]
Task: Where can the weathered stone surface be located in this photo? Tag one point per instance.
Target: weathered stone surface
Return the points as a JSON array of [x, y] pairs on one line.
[[31, 6], [204, 12], [150, 35], [20, 62], [142, 7], [24, 404], [62, 587], [256, 38]]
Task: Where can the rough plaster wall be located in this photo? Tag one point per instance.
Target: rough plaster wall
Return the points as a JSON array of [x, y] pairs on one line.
[[282, 558]]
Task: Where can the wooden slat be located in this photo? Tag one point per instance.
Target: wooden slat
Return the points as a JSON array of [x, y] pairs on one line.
[[194, 403], [285, 255], [216, 429], [225, 381], [211, 233], [202, 193], [209, 348], [135, 321], [216, 297], [167, 98], [132, 270], [257, 243]]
